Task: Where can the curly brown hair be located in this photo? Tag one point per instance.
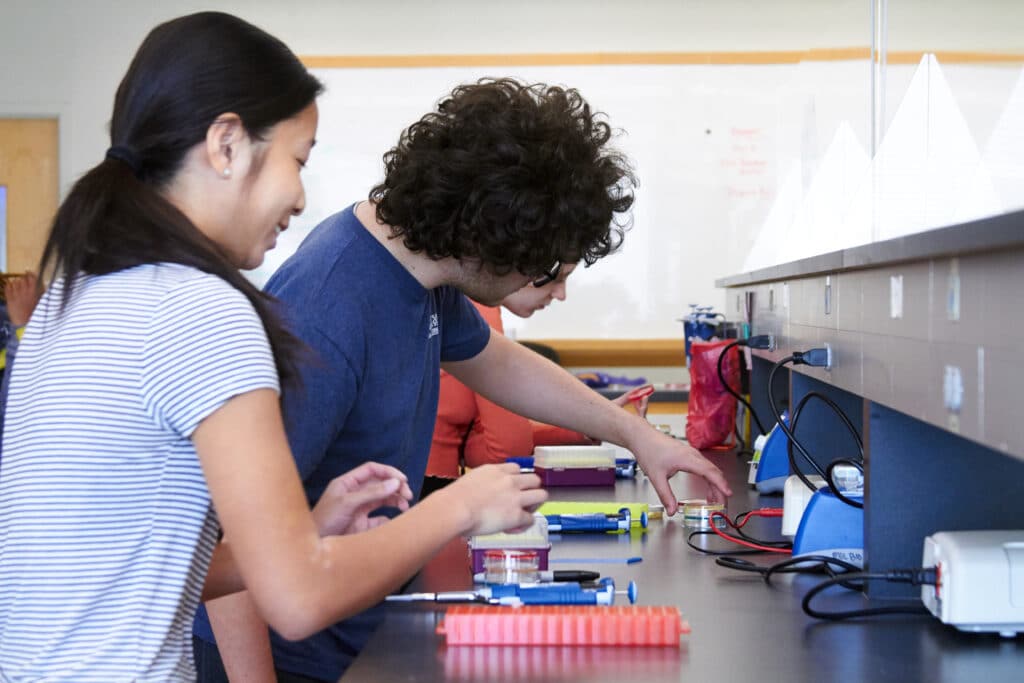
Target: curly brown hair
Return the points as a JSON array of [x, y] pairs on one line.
[[516, 176]]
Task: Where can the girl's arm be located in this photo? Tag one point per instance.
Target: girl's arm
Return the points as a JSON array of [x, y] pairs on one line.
[[299, 581]]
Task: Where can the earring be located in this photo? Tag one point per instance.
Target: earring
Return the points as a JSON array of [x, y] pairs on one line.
[[226, 172]]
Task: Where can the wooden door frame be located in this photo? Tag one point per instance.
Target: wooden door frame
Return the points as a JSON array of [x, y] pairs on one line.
[[22, 250]]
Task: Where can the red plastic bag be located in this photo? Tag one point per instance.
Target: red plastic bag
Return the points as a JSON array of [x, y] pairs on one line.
[[711, 415]]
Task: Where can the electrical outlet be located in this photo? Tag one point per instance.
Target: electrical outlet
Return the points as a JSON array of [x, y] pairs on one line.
[[953, 389], [895, 296], [953, 291]]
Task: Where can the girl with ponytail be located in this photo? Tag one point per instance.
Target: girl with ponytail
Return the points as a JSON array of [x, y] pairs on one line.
[[146, 391]]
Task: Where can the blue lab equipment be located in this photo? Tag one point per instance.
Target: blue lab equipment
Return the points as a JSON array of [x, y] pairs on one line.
[[831, 527], [625, 468], [525, 462], [773, 465], [700, 323]]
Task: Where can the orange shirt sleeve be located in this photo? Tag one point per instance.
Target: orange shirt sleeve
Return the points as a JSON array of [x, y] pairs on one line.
[[494, 433], [456, 410], [497, 434]]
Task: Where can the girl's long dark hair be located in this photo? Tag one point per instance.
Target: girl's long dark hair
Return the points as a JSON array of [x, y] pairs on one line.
[[187, 72]]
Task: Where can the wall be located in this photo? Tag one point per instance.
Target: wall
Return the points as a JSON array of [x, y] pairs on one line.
[[64, 59]]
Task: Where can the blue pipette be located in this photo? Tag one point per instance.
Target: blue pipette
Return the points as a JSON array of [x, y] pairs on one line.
[[528, 594], [593, 522]]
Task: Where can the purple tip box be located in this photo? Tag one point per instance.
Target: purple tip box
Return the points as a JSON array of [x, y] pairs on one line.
[[576, 476]]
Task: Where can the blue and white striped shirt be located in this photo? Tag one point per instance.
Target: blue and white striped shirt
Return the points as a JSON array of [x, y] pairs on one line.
[[106, 528]]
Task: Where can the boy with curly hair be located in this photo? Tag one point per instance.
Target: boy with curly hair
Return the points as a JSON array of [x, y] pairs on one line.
[[497, 188]]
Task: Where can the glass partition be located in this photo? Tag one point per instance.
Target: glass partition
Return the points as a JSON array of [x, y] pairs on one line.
[[950, 115], [943, 141]]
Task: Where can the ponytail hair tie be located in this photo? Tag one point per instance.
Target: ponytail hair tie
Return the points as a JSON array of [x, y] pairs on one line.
[[126, 156]]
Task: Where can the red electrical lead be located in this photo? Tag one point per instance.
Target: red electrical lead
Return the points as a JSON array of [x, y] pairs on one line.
[[770, 512], [762, 512]]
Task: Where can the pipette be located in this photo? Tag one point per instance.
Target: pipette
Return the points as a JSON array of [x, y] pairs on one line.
[[527, 594], [599, 522]]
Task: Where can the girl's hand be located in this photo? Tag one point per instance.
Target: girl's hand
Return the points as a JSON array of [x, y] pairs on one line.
[[345, 506], [496, 498]]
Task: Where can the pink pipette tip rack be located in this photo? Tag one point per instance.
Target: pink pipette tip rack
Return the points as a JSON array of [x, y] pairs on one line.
[[561, 625]]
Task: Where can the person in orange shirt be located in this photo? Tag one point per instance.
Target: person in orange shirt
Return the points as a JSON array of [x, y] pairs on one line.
[[470, 430], [21, 294]]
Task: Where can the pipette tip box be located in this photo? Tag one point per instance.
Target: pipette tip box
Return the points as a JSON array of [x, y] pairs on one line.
[[560, 625], [574, 465]]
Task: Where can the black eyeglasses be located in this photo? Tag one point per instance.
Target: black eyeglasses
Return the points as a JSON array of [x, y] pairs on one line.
[[550, 276]]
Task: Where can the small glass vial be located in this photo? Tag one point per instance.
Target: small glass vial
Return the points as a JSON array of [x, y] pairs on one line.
[[697, 513], [511, 566]]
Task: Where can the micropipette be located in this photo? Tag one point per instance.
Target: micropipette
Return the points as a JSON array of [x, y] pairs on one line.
[[527, 594]]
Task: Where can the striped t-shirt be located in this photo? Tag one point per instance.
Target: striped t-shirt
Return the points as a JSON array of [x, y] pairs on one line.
[[106, 528]]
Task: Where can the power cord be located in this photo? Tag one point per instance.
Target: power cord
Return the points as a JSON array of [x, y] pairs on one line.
[[705, 551], [915, 577], [741, 444], [754, 545], [761, 341], [849, 426], [816, 358], [850, 578], [803, 564]]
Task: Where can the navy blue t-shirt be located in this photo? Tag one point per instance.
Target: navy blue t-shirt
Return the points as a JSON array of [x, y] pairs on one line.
[[371, 392]]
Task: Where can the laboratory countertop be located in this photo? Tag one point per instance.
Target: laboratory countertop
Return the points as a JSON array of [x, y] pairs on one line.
[[742, 629], [994, 233]]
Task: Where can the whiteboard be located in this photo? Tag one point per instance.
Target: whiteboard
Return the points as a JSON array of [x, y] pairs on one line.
[[709, 144]]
